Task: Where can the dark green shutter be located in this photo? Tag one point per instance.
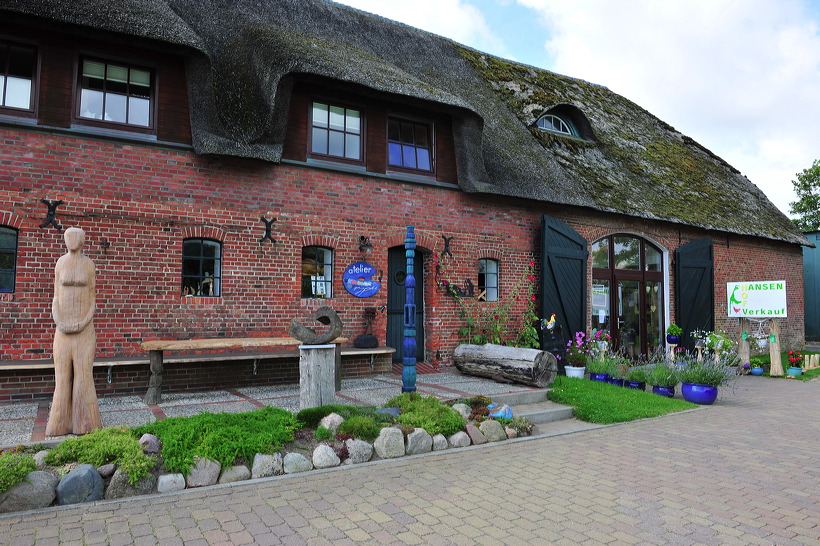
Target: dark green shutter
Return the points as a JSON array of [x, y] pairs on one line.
[[695, 288], [563, 281]]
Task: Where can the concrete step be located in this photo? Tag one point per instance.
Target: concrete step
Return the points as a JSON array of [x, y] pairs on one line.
[[543, 412], [519, 398]]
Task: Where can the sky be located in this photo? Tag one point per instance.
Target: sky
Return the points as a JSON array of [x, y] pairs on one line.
[[741, 77]]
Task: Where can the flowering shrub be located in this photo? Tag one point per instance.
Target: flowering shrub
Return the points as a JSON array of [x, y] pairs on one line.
[[578, 350], [796, 359], [490, 322]]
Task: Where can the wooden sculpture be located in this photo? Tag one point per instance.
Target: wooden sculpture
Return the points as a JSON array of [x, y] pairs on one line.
[[74, 407]]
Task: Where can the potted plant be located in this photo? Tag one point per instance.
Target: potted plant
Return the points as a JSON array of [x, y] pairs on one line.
[[576, 356], [796, 360], [700, 380], [600, 367], [755, 366], [618, 368], [663, 378], [673, 333], [635, 377]]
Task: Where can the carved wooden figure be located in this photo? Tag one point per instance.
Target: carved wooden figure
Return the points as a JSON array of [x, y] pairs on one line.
[[74, 408]]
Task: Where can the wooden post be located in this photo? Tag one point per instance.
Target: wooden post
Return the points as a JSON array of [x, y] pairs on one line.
[[776, 368], [317, 375], [744, 351], [154, 393]]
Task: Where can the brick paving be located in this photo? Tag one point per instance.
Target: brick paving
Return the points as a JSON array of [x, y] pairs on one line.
[[744, 471]]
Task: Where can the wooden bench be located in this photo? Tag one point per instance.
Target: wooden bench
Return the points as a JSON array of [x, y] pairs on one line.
[[255, 356]]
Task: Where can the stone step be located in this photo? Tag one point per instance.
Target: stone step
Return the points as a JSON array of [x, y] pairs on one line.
[[513, 399], [543, 412]]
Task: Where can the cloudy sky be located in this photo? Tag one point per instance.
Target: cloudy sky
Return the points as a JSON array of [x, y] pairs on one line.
[[742, 77]]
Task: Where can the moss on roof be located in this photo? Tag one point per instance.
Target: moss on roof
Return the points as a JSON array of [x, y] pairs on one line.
[[241, 52]]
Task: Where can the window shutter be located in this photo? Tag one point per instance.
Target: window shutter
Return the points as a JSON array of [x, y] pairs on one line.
[[695, 288], [563, 282]]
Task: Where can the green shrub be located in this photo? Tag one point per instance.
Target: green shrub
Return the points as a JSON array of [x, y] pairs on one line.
[[662, 375], [637, 374], [323, 434], [428, 413], [221, 437], [521, 425], [310, 417], [14, 467], [363, 427], [99, 447]]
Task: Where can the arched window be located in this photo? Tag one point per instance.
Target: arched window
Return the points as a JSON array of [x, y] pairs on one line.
[[317, 272], [556, 124], [488, 279], [201, 267], [628, 292], [8, 258]]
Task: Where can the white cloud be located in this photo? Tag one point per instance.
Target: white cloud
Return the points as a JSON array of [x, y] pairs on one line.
[[739, 77], [455, 19]]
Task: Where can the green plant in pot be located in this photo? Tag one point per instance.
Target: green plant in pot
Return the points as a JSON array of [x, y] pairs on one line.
[[663, 377], [673, 334], [635, 377], [700, 380]]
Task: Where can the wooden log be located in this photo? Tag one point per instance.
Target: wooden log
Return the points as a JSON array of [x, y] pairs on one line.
[[525, 366]]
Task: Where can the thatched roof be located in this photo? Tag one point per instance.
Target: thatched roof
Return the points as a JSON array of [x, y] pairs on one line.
[[244, 54]]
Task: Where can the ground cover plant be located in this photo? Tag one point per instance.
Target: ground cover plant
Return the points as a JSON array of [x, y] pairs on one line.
[[602, 403], [426, 412], [221, 437], [108, 445], [14, 466]]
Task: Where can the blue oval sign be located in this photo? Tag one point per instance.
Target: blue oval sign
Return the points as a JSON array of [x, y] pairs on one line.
[[358, 280]]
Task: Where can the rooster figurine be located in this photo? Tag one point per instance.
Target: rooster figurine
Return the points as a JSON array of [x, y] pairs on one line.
[[550, 324]]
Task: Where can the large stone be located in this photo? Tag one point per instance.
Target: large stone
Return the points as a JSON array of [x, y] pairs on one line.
[[203, 472], [82, 484], [463, 409], [294, 463], [40, 458], [168, 483], [331, 422], [493, 430], [439, 442], [459, 439], [265, 465], [119, 487], [511, 432], [358, 451], [390, 443], [150, 444], [475, 435], [236, 473], [107, 470], [37, 490], [325, 457], [418, 441]]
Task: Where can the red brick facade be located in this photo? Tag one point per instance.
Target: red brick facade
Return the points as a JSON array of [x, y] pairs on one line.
[[138, 200]]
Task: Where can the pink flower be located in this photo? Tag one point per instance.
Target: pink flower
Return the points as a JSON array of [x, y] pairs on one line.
[[532, 263], [533, 298]]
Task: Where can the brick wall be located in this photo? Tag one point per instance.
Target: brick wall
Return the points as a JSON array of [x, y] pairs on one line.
[[137, 202]]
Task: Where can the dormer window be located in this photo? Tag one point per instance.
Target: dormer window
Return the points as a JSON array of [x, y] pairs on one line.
[[556, 124]]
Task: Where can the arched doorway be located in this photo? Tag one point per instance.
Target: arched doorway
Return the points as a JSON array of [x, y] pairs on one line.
[[628, 292]]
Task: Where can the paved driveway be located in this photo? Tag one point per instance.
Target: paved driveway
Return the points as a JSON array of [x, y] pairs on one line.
[[744, 471]]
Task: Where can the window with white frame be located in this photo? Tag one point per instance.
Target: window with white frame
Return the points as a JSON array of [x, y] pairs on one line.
[[201, 267], [317, 272], [17, 69], [488, 279], [115, 92], [336, 131]]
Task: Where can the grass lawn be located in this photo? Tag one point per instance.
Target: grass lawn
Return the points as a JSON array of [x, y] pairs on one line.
[[602, 403]]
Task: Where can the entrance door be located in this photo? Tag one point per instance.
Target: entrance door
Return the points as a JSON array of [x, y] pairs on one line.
[[396, 266], [627, 293]]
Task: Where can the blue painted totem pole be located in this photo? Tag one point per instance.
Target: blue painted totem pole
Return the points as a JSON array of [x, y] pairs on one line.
[[408, 373]]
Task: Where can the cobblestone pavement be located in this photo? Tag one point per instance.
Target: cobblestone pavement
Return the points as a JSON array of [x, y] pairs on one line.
[[744, 471]]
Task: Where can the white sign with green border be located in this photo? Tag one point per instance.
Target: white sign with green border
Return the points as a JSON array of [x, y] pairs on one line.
[[756, 299]]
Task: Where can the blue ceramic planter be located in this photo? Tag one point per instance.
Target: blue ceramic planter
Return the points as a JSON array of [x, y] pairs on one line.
[[599, 377], [668, 392], [794, 371], [696, 393], [640, 385], [756, 371], [616, 381], [672, 340]]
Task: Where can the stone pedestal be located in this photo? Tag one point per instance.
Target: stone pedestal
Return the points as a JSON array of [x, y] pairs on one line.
[[317, 375]]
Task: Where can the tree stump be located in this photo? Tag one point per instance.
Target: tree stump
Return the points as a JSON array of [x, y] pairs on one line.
[[525, 366]]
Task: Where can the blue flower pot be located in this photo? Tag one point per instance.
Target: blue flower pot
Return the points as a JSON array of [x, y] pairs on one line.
[[672, 340], [599, 377], [668, 392], [640, 385], [794, 371], [616, 381], [756, 371], [696, 393]]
